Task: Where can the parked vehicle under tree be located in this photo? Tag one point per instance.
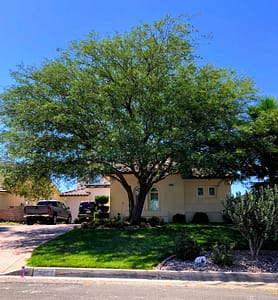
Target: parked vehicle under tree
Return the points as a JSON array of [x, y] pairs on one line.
[[48, 212]]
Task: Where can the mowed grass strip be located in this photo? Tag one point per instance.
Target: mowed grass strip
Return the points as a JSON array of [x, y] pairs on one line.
[[124, 248]]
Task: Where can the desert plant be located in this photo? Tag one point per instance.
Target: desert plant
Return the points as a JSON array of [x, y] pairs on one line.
[[255, 214], [186, 247], [223, 253]]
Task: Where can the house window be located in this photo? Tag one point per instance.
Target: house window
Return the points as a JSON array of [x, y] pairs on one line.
[[153, 200], [212, 191], [200, 191]]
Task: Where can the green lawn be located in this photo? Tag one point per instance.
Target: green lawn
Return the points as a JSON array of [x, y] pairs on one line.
[[124, 249], [120, 248]]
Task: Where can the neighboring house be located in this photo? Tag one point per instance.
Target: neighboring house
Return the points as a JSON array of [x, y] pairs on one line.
[[86, 191], [11, 205], [174, 195], [10, 200]]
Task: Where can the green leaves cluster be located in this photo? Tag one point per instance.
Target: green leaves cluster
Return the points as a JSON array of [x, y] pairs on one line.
[[136, 102], [255, 214], [259, 141]]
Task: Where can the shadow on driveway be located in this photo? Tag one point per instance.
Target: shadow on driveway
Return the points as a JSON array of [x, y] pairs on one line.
[[20, 240]]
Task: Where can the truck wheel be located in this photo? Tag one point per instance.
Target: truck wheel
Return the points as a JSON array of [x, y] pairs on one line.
[[29, 221], [54, 220]]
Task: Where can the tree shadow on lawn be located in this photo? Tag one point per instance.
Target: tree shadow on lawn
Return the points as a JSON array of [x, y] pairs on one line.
[[105, 249]]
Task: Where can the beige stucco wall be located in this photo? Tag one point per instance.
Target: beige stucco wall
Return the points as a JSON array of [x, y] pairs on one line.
[[212, 205], [176, 195], [74, 201], [8, 200]]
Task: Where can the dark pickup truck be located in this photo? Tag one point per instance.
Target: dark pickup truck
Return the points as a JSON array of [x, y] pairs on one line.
[[47, 211]]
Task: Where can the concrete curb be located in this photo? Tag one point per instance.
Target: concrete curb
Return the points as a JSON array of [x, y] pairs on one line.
[[149, 274]]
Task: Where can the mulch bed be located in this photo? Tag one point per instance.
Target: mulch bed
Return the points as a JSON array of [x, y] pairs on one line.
[[267, 262]]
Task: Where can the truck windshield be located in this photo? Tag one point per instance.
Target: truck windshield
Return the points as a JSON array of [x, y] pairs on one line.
[[53, 203]]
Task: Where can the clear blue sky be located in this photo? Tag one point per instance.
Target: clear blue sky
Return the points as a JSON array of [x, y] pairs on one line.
[[244, 32]]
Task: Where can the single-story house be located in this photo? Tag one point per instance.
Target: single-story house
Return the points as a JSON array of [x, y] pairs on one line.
[[10, 200], [174, 195], [12, 205], [86, 191]]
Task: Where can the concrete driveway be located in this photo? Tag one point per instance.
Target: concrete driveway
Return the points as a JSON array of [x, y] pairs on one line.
[[17, 242]]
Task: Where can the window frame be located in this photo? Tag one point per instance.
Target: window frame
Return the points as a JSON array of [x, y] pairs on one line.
[[197, 191], [209, 194], [153, 191]]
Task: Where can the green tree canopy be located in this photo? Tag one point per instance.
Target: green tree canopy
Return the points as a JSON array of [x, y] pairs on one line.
[[136, 102], [259, 141]]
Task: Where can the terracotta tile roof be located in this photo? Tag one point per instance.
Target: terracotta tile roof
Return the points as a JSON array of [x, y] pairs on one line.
[[78, 193]]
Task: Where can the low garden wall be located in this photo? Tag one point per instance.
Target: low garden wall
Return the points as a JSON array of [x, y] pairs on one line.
[[13, 213]]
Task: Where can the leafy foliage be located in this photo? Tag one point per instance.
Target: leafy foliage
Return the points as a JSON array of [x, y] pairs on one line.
[[186, 247], [259, 141], [200, 218], [179, 218], [255, 215], [101, 199], [222, 253], [136, 102], [32, 188]]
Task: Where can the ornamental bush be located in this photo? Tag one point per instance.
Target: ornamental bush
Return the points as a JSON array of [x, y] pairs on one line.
[[101, 200], [200, 218], [255, 214], [186, 247], [179, 218], [223, 253]]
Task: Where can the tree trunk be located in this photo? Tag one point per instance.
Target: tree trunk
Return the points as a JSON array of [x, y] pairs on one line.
[[255, 247], [130, 201], [138, 207]]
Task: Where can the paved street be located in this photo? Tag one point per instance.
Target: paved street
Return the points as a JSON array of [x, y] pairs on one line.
[[104, 289], [17, 242]]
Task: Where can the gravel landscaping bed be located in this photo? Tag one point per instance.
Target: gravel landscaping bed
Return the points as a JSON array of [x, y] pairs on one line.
[[267, 262]]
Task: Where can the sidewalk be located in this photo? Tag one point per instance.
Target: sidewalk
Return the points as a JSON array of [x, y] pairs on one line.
[[12, 260]]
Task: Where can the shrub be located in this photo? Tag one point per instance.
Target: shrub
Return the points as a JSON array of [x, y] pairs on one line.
[[154, 221], [102, 215], [255, 214], [103, 208], [179, 218], [101, 200], [223, 253], [84, 225], [200, 218], [186, 247], [143, 220]]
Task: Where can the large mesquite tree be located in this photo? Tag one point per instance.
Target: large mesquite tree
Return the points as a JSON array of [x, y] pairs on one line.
[[136, 102]]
